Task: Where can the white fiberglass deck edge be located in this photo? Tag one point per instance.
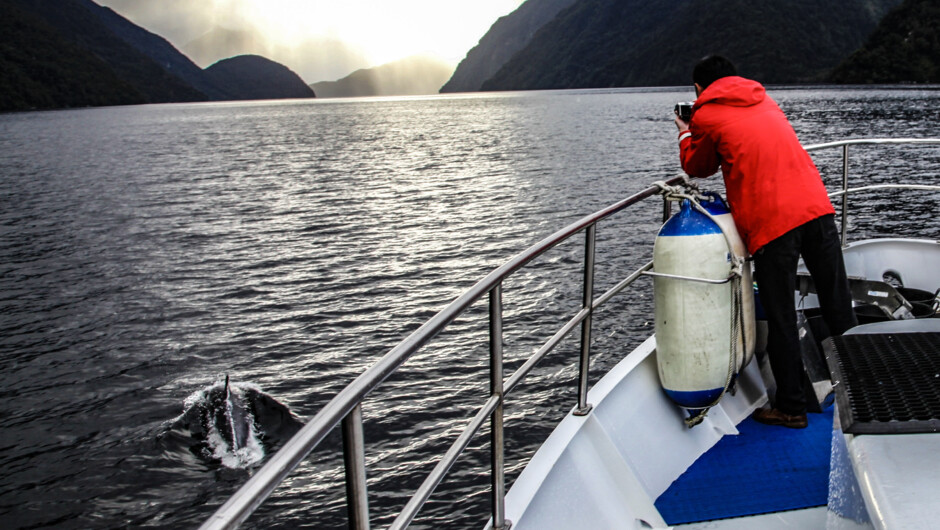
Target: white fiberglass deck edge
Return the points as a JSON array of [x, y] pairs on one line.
[[606, 469]]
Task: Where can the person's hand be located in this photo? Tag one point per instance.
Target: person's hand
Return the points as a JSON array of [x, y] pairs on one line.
[[682, 125]]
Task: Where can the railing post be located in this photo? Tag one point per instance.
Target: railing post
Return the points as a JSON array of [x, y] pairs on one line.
[[667, 208], [357, 499], [497, 458], [845, 191], [587, 301]]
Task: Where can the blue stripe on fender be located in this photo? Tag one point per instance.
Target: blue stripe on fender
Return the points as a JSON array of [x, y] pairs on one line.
[[697, 399], [715, 204], [689, 222]]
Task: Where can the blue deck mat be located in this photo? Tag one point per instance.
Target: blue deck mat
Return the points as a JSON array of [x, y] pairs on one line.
[[762, 470]]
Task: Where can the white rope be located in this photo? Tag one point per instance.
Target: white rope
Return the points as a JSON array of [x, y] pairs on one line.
[[687, 190]]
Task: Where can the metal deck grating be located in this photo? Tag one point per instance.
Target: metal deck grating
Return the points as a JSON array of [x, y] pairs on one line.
[[886, 383]]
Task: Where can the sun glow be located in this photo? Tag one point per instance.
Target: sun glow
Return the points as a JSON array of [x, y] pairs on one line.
[[320, 40], [384, 30]]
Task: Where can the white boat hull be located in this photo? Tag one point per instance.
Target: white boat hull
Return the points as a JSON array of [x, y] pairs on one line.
[[605, 470]]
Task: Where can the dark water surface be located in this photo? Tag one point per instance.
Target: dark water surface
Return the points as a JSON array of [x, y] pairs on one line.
[[145, 252]]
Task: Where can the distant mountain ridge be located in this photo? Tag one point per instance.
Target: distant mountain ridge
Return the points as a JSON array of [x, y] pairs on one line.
[[254, 77], [51, 46], [612, 43], [162, 52], [315, 58], [507, 36], [78, 23], [52, 72], [411, 76], [904, 49], [231, 42]]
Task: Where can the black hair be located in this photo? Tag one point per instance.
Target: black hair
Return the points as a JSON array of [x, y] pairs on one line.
[[711, 68]]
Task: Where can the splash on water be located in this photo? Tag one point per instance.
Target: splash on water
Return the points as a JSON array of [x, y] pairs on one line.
[[235, 423]]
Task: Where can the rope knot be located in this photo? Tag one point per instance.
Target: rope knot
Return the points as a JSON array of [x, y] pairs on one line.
[[685, 190]]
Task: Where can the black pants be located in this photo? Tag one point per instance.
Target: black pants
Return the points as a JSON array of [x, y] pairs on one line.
[[775, 270]]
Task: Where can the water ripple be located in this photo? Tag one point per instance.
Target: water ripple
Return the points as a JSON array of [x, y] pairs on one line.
[[147, 250]]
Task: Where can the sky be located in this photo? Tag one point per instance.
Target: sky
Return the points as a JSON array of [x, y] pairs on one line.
[[320, 40]]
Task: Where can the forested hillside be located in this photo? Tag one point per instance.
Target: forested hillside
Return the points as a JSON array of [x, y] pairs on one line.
[[52, 72], [254, 77], [609, 43], [77, 27], [76, 53], [507, 36], [904, 49]]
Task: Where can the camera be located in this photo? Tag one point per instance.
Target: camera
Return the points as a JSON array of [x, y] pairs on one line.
[[684, 110]]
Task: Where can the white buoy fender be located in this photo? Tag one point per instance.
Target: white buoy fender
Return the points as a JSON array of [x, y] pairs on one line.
[[693, 320]]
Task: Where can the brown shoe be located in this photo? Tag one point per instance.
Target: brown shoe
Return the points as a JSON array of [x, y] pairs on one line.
[[775, 417]]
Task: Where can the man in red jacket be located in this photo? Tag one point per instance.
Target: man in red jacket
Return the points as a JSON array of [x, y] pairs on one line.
[[781, 209]]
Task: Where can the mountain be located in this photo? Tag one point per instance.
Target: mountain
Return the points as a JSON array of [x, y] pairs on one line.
[[411, 76], [316, 57], [209, 31], [254, 77], [219, 43], [506, 37], [77, 23], [68, 53], [611, 43], [904, 49], [231, 79], [157, 49], [176, 20], [52, 72]]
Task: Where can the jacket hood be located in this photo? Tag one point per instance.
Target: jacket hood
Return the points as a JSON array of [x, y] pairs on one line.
[[734, 91]]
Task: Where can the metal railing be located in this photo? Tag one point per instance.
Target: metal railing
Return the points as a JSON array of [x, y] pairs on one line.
[[845, 191], [346, 407]]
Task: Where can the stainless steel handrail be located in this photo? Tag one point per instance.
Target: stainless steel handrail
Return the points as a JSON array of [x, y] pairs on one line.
[[244, 501], [844, 193], [346, 406], [872, 141]]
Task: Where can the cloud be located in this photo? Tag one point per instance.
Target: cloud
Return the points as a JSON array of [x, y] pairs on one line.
[[319, 40], [209, 31], [313, 59], [178, 21]]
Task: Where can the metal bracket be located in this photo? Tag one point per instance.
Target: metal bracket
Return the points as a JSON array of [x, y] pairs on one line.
[[583, 411], [870, 292]]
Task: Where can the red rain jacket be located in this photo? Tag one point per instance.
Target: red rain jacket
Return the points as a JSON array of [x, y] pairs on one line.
[[772, 184]]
